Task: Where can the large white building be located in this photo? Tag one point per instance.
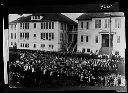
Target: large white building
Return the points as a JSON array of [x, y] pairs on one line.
[[42, 31], [93, 32]]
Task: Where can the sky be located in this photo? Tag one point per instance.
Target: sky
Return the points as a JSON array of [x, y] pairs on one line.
[[72, 16]]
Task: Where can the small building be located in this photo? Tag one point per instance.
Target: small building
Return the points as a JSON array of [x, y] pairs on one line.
[[96, 29], [41, 31]]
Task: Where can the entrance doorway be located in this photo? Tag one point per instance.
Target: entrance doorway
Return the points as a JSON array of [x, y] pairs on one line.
[[105, 40]]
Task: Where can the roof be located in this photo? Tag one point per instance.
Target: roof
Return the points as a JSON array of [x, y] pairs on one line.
[[46, 17], [89, 16]]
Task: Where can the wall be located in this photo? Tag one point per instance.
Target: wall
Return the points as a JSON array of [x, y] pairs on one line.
[[92, 32]]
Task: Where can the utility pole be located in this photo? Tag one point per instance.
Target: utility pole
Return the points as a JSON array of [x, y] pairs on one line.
[[110, 38]]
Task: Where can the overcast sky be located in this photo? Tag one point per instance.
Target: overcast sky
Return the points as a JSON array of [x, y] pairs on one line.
[[73, 16]]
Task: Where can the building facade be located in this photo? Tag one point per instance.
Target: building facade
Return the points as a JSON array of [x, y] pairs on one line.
[[102, 32], [45, 31]]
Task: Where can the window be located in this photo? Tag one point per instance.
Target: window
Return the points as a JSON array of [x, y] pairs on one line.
[[23, 44], [15, 35], [26, 25], [38, 17], [41, 25], [49, 25], [34, 45], [88, 50], [46, 36], [96, 39], [86, 38], [61, 36], [61, 26], [46, 25], [34, 35], [26, 45], [51, 46], [81, 24], [117, 23], [118, 39], [42, 45], [20, 44], [23, 25], [11, 35], [15, 27], [23, 35], [97, 23], [11, 43], [52, 25], [34, 25], [82, 38], [20, 35], [12, 27], [20, 25], [49, 36], [107, 23], [52, 35], [35, 17], [26, 35], [87, 25], [43, 36]]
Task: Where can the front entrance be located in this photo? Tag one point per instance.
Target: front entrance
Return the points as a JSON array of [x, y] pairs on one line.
[[105, 40]]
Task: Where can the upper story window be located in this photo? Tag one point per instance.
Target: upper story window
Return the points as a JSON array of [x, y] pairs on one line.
[[52, 25], [63, 26], [20, 35], [96, 39], [49, 25], [11, 35], [61, 37], [117, 23], [118, 39], [36, 17], [86, 38], [52, 35], [43, 36], [34, 35], [107, 23], [12, 27], [81, 24], [41, 25], [15, 35], [42, 45], [34, 46], [97, 23], [87, 25], [24, 25], [51, 46], [46, 25], [15, 27], [26, 35], [49, 36], [34, 25], [82, 38], [46, 36]]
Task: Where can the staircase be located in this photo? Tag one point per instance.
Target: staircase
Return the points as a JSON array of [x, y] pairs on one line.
[[105, 50], [72, 46]]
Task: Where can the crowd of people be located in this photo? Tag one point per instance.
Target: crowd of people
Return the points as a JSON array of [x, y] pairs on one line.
[[37, 68]]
